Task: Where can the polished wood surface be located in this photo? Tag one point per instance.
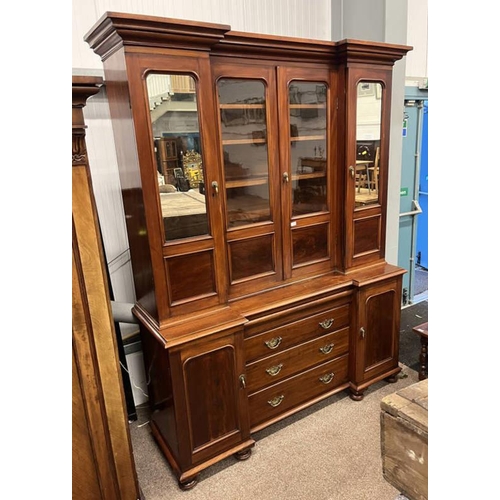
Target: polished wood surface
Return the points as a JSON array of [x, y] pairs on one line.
[[287, 299], [103, 464]]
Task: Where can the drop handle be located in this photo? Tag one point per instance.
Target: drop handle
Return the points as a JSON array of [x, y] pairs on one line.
[[326, 379], [274, 370], [327, 323], [362, 332], [276, 401], [352, 171], [327, 349], [273, 343], [285, 177], [243, 381], [215, 187]]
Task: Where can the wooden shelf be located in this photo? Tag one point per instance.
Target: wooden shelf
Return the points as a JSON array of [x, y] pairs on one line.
[[308, 138], [228, 142], [307, 106], [252, 181], [242, 106], [313, 175]]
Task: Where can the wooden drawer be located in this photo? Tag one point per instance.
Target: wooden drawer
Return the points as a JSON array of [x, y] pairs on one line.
[[297, 332], [279, 366], [280, 398]]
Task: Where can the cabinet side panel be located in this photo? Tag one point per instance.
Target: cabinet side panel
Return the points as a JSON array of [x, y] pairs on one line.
[[161, 400], [130, 179]]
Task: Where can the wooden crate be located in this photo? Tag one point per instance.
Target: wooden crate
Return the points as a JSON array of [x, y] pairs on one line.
[[404, 440]]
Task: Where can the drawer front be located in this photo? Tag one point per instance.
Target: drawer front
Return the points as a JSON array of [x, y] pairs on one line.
[[291, 334], [279, 398], [279, 366]]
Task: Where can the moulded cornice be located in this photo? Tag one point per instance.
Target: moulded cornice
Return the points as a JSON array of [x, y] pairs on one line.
[[362, 51], [114, 30]]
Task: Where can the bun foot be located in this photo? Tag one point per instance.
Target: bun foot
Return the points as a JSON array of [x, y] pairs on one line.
[[187, 485], [392, 379], [243, 454], [356, 395]]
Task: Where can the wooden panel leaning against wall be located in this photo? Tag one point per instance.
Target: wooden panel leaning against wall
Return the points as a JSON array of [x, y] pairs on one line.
[[103, 465]]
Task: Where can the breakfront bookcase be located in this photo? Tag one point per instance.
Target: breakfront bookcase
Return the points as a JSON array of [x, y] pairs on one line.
[[262, 287]]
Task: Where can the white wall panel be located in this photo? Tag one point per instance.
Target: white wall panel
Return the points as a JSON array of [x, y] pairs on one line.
[[298, 18], [416, 61]]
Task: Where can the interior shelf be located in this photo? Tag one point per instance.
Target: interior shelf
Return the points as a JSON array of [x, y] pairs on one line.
[[246, 182], [242, 106], [307, 106], [313, 175], [308, 138], [227, 142]]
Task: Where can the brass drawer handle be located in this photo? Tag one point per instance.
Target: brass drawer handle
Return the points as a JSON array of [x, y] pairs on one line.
[[273, 343], [327, 323], [326, 379], [274, 370], [276, 401], [327, 349]]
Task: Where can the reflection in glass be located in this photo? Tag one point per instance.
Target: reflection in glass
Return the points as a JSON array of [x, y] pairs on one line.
[[308, 150], [177, 144], [244, 144], [368, 127]]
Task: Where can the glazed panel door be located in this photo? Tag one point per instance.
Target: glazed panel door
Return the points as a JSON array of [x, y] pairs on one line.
[[368, 92], [307, 159], [246, 112]]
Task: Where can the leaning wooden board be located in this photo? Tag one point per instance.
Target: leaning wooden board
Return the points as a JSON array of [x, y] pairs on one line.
[[404, 440]]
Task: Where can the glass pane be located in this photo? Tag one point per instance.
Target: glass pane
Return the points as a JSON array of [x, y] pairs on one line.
[[368, 125], [244, 145], [177, 144], [308, 149]]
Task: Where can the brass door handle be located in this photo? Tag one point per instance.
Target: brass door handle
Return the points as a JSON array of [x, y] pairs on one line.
[[362, 332], [326, 379], [276, 401], [274, 370], [285, 177], [215, 187], [327, 349], [352, 171], [243, 381], [273, 343]]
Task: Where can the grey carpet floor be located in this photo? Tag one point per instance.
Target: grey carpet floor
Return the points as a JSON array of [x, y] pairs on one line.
[[330, 451]]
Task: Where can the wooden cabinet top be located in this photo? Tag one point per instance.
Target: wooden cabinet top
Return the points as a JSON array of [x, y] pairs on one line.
[[114, 30]]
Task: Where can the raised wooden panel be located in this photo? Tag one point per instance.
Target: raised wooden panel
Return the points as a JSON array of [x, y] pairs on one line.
[[366, 235], [379, 338], [191, 276], [310, 244], [209, 385], [251, 257]]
